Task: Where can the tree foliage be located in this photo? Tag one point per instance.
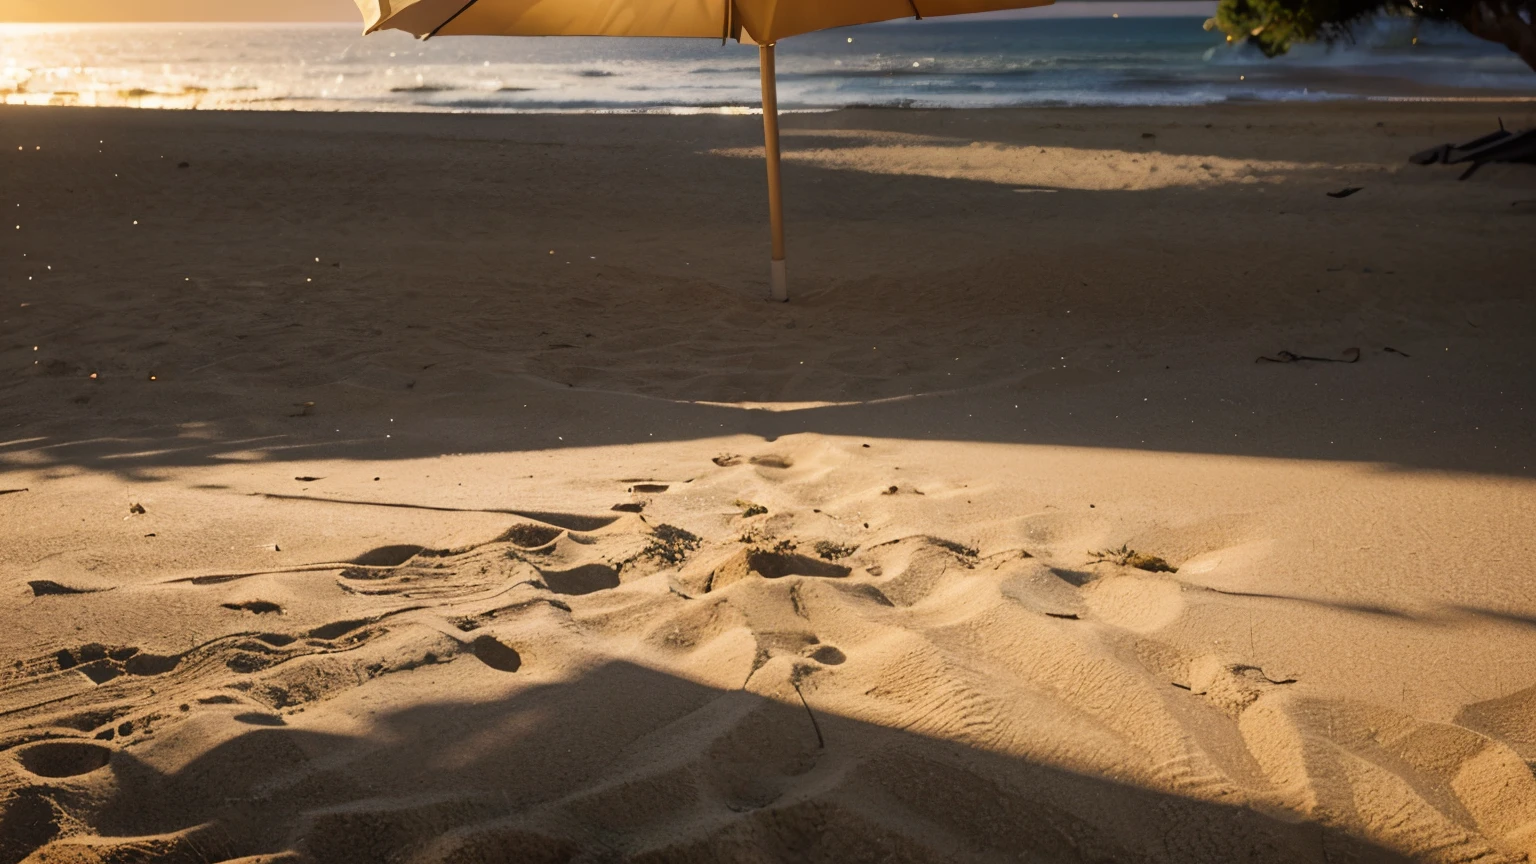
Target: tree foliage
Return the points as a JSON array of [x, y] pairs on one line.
[[1275, 25]]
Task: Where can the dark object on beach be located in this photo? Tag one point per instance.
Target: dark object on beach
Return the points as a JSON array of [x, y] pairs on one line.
[[834, 551], [821, 743], [1125, 556], [185, 165], [1351, 355], [1500, 146], [13, 491], [49, 588], [258, 607], [1345, 192]]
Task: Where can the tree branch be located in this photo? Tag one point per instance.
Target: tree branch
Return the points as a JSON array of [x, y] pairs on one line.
[[1508, 24]]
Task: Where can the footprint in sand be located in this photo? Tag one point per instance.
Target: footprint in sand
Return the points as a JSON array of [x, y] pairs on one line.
[[102, 664], [768, 564], [496, 654], [150, 664], [826, 655], [1040, 588], [581, 580], [92, 653], [773, 461], [64, 758], [1138, 604]]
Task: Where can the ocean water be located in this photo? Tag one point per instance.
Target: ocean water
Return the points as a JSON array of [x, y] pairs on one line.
[[1071, 54]]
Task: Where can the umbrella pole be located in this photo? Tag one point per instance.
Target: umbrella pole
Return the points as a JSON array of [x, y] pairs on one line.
[[780, 286]]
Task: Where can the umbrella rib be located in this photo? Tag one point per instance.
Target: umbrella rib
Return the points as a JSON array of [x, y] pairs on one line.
[[451, 19], [915, 10]]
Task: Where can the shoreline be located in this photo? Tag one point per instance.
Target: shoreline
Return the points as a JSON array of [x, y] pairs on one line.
[[1490, 96], [1516, 101]]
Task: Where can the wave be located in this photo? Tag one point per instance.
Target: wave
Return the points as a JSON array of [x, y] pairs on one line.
[[1143, 61]]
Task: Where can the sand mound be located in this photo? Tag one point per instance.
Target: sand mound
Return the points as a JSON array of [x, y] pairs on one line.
[[770, 705]]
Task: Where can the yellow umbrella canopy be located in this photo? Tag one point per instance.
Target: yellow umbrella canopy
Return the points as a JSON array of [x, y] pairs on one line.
[[763, 22]]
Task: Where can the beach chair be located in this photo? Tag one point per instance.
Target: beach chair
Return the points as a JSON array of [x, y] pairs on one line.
[[1500, 146]]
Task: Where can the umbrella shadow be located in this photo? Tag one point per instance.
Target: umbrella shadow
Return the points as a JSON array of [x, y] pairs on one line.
[[556, 772], [927, 306]]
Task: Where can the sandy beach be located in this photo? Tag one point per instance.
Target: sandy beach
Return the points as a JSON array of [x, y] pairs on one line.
[[443, 489]]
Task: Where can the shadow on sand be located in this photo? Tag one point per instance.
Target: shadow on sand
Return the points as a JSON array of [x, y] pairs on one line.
[[929, 307], [628, 764]]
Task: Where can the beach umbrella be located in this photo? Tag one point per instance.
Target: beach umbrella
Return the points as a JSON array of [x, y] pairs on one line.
[[760, 22]]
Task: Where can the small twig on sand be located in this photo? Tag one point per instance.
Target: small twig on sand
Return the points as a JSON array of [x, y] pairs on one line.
[[821, 743], [13, 491]]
